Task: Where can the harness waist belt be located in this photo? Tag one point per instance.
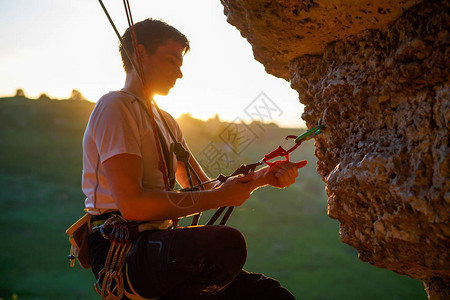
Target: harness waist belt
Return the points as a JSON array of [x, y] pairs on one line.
[[99, 220]]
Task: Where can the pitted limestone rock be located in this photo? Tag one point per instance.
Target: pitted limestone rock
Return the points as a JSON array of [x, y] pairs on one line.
[[384, 97]]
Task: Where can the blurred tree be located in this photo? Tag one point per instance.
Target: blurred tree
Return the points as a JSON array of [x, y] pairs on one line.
[[43, 96], [186, 116], [76, 95], [20, 93]]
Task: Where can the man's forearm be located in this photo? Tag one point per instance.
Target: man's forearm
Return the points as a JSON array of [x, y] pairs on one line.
[[158, 205], [260, 178]]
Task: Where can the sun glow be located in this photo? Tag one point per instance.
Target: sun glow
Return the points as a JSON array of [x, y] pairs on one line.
[[220, 73]]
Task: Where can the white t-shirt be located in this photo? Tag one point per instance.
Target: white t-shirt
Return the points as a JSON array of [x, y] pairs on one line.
[[118, 124]]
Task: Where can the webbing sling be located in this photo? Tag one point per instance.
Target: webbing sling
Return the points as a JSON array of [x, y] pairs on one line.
[[181, 154], [176, 148], [162, 140]]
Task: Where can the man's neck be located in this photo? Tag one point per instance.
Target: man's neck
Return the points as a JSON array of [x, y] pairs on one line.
[[134, 85]]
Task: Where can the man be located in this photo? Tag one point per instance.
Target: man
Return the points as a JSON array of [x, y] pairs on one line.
[[121, 174]]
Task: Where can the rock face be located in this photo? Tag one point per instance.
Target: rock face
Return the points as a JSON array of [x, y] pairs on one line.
[[382, 90], [282, 30]]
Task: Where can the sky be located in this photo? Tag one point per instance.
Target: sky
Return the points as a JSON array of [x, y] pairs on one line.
[[54, 46]]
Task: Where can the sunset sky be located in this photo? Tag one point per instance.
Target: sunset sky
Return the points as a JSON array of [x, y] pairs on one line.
[[54, 46]]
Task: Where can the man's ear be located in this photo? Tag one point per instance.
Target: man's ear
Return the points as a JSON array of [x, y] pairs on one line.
[[141, 51]]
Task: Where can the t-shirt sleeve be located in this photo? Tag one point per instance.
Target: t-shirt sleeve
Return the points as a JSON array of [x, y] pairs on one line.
[[114, 129]]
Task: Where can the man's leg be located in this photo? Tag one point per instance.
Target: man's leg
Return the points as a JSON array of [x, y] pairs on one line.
[[186, 263], [255, 286]]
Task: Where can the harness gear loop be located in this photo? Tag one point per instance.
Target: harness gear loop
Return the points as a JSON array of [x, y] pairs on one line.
[[121, 234]]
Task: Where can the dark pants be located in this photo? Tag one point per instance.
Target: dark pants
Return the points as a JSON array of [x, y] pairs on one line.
[[201, 262]]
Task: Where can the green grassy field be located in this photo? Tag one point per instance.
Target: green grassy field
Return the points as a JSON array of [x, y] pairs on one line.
[[289, 235]]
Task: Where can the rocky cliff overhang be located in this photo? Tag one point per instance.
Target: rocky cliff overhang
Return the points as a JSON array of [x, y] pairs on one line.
[[282, 30], [376, 74]]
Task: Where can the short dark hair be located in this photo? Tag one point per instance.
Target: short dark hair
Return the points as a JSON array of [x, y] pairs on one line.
[[151, 34]]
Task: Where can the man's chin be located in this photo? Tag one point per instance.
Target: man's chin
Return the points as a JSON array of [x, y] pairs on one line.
[[162, 93], [160, 90]]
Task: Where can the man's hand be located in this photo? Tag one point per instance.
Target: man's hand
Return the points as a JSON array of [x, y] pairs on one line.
[[283, 173], [236, 190]]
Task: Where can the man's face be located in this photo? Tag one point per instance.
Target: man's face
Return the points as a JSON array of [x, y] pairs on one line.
[[162, 68]]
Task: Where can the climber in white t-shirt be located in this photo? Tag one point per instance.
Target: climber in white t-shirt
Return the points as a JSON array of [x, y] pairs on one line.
[[122, 175]]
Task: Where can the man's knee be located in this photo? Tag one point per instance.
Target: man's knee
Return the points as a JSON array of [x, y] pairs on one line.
[[224, 252], [231, 243], [232, 236]]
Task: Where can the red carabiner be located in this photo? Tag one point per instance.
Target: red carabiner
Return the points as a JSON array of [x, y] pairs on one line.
[[280, 151]]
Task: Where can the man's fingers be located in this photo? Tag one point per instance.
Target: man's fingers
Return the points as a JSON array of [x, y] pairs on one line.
[[287, 164], [247, 177]]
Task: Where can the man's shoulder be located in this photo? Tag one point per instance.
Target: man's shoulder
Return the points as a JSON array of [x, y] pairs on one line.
[[114, 101], [115, 97], [112, 105], [168, 115]]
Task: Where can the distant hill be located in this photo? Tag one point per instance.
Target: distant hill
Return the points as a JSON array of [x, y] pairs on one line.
[[38, 135]]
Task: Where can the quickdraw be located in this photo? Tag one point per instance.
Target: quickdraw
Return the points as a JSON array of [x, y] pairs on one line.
[[279, 152], [121, 234]]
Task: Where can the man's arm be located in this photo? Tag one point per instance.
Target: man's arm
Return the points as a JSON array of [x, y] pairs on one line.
[[124, 175]]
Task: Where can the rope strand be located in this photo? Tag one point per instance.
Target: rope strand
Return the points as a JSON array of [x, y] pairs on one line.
[[140, 70]]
